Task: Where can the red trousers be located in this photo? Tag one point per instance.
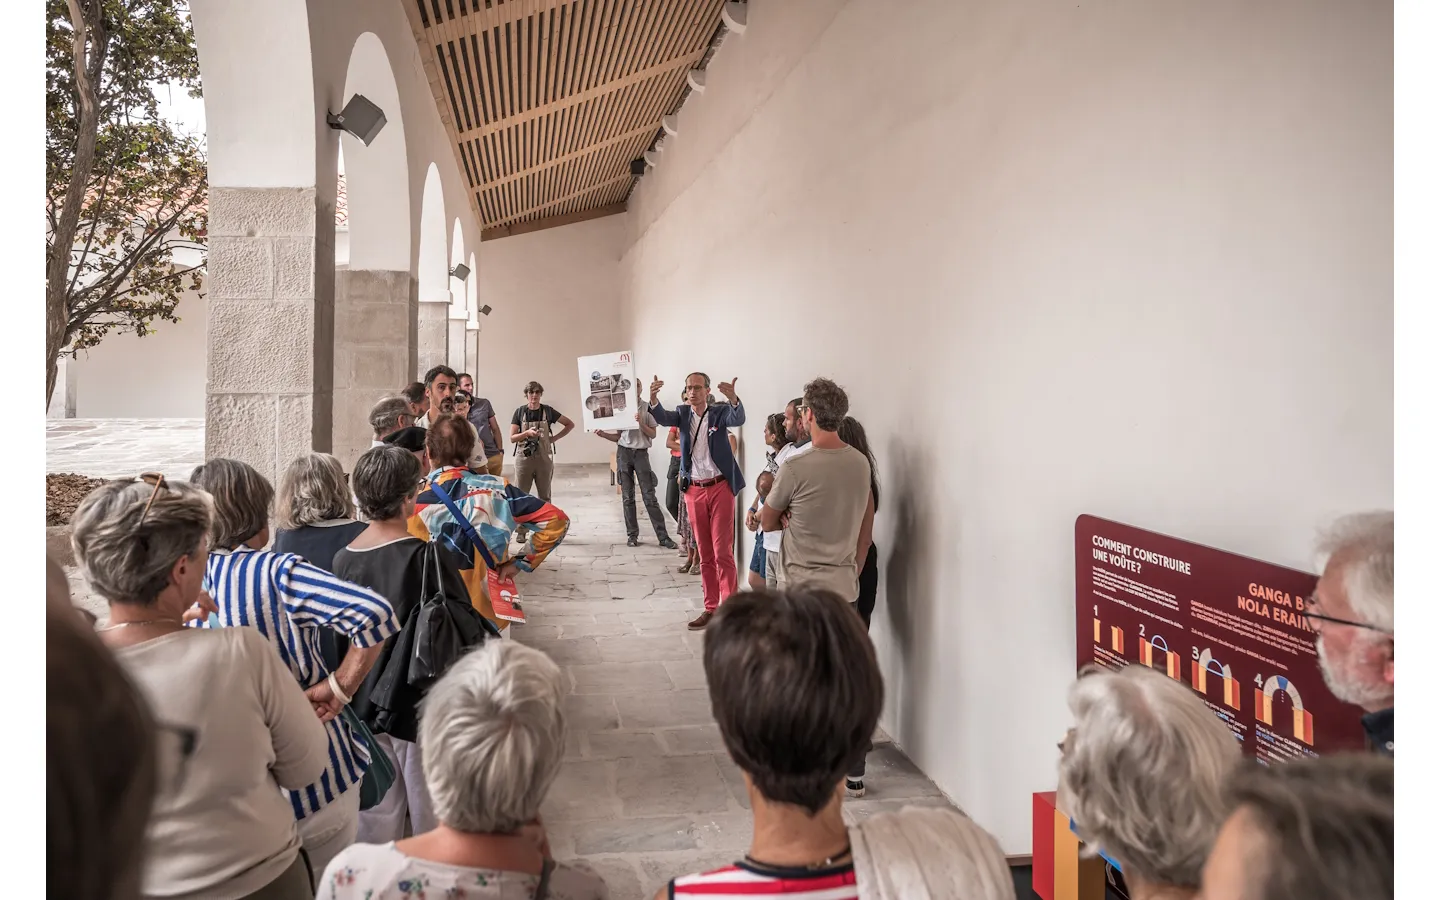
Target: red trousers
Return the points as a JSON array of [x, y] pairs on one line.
[[712, 518]]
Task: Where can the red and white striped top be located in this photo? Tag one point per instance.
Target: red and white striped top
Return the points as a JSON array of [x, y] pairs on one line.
[[756, 883]]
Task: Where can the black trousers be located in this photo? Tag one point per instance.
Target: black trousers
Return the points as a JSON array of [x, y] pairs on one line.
[[869, 585], [672, 489], [865, 606]]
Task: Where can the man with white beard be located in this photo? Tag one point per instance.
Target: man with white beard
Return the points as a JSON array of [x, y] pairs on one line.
[[1353, 615]]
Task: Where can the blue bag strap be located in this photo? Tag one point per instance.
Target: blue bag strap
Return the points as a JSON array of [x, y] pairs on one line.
[[474, 538], [464, 523]]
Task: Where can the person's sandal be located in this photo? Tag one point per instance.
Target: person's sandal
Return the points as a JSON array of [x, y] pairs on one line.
[[685, 569]]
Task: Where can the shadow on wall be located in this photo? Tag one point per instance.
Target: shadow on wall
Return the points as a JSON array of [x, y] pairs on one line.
[[909, 601]]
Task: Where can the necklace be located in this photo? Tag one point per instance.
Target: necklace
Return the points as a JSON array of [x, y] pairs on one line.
[[141, 622], [825, 863]]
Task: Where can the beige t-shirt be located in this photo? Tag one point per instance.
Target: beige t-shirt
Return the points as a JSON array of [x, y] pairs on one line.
[[221, 828], [826, 492]]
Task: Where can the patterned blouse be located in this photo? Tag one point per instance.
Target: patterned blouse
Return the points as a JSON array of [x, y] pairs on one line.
[[383, 872], [290, 601], [495, 509]]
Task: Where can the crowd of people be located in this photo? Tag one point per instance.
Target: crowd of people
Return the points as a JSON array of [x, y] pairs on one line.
[[377, 736]]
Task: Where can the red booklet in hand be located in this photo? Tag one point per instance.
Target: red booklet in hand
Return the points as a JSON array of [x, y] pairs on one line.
[[505, 598]]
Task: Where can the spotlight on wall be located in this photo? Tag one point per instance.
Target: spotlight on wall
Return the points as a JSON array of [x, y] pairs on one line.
[[360, 117], [485, 310], [637, 167], [461, 271]]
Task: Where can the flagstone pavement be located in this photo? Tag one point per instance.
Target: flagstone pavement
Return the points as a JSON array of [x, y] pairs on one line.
[[646, 791]]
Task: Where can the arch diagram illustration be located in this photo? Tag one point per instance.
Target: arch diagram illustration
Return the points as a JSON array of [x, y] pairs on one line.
[[1157, 654], [1208, 665], [1264, 707]]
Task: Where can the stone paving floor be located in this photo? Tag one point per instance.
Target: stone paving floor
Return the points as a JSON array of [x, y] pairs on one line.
[[647, 791], [123, 448]]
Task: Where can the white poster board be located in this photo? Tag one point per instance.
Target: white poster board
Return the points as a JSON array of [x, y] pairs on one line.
[[609, 394]]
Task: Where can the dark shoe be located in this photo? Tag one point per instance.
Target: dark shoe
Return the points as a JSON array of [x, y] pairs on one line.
[[702, 620], [854, 787], [632, 542], [669, 544]]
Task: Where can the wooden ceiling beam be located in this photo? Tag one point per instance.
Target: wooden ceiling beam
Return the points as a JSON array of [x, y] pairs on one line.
[[584, 215], [600, 90], [556, 201], [650, 128]]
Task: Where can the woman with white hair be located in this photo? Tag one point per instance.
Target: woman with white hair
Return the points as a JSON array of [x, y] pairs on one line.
[[233, 727], [1142, 774], [492, 734], [928, 854]]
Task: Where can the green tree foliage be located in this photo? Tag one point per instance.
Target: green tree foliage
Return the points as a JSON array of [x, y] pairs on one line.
[[123, 188]]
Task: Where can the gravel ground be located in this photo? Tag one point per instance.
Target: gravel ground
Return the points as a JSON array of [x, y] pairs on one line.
[[63, 493]]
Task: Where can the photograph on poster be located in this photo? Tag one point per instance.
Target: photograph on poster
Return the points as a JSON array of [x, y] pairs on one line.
[[1228, 626], [606, 381]]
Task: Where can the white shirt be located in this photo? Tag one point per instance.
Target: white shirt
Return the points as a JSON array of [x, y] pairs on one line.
[[773, 538], [702, 467], [635, 439], [375, 443]]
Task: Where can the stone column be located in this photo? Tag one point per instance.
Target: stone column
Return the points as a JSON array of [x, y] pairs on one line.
[[433, 338], [457, 345], [472, 351], [374, 354], [67, 381], [270, 333]]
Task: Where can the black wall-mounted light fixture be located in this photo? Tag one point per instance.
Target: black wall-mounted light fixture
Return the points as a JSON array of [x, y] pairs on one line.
[[485, 310], [360, 117], [461, 271]]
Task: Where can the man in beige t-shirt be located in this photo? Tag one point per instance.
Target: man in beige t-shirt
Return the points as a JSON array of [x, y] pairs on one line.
[[826, 494]]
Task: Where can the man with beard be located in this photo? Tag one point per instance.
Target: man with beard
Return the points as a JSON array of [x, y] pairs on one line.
[[440, 387], [1353, 615]]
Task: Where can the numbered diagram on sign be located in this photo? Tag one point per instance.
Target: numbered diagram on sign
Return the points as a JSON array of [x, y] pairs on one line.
[[1209, 674], [1156, 653], [1274, 693]]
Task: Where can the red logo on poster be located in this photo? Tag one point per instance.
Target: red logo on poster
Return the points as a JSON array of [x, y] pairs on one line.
[[624, 357]]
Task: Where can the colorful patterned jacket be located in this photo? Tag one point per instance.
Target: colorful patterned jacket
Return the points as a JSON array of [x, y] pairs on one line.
[[496, 509]]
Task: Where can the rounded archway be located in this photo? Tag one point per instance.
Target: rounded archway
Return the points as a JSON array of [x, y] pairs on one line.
[[374, 350], [432, 276], [456, 312]]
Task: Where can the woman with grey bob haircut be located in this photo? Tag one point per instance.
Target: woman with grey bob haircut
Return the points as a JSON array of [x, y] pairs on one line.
[[221, 826], [1142, 773], [492, 735]]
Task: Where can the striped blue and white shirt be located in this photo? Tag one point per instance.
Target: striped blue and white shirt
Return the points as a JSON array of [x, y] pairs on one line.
[[289, 601]]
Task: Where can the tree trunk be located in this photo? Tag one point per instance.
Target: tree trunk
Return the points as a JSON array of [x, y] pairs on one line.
[[86, 20]]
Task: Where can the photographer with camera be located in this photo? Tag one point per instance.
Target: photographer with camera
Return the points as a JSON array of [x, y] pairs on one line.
[[709, 478], [534, 444]]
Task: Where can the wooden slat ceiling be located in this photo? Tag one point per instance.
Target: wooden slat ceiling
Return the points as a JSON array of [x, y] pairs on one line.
[[548, 101]]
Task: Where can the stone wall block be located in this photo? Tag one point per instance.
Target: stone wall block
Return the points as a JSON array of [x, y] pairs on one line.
[[295, 427], [242, 427], [270, 212], [295, 268], [260, 346], [241, 268], [378, 368]]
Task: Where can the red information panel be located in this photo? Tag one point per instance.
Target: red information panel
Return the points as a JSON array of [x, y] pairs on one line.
[[1228, 626]]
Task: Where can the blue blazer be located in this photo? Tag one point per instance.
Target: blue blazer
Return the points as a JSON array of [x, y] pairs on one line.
[[722, 416]]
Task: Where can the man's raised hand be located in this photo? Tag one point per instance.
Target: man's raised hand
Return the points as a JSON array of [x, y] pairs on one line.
[[728, 389], [655, 387]]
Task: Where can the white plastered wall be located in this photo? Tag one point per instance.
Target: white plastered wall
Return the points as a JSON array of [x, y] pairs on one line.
[[555, 296], [1131, 259]]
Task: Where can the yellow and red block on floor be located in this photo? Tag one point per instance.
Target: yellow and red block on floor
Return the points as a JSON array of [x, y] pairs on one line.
[[1059, 872]]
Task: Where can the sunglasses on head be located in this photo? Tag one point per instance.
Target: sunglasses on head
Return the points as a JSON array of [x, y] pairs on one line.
[[151, 478]]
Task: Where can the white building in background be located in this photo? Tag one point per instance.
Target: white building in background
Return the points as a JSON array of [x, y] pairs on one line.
[[160, 375]]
